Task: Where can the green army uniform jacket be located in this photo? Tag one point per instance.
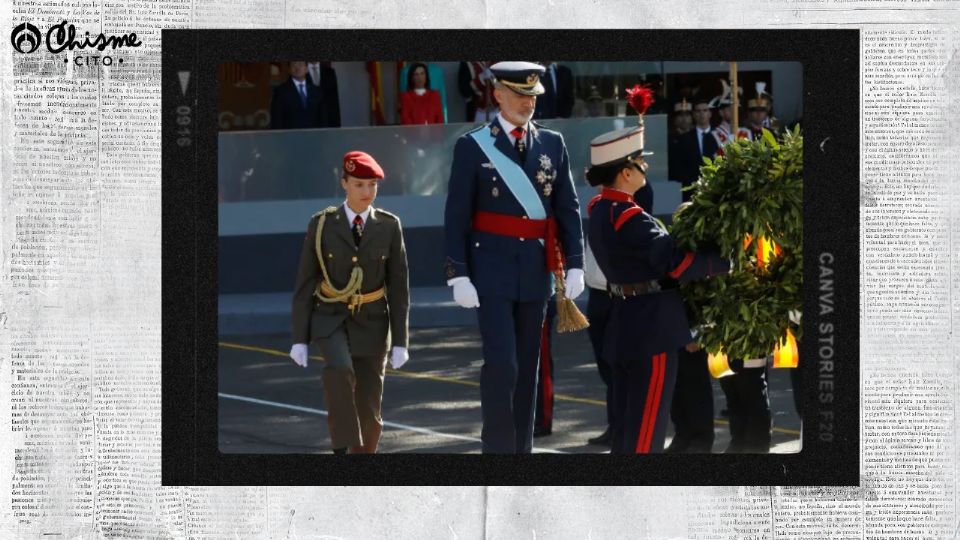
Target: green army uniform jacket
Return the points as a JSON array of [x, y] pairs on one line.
[[383, 258]]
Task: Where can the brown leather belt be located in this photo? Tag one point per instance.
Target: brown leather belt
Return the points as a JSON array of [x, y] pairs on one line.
[[633, 289]]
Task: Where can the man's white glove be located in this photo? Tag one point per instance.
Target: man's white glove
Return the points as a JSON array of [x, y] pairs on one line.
[[464, 293], [486, 75], [299, 354], [574, 283], [398, 357]]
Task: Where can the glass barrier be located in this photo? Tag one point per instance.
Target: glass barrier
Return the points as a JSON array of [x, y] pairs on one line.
[[305, 164]]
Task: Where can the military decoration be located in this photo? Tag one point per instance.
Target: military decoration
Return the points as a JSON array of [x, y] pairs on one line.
[[546, 175], [545, 162]]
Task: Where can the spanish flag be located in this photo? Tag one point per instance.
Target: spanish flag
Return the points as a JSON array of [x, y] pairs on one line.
[[376, 94]]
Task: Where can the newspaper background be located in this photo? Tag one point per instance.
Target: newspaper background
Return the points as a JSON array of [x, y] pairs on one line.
[[80, 297]]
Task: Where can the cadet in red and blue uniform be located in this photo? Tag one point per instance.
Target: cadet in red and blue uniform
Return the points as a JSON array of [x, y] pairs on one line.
[[510, 205], [647, 325]]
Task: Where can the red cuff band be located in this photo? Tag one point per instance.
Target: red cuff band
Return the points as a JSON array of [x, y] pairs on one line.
[[682, 267]]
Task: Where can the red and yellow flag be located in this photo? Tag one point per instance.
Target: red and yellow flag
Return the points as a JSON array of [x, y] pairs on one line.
[[377, 117]]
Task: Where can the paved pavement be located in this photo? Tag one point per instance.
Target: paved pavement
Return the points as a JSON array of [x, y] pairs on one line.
[[270, 405]]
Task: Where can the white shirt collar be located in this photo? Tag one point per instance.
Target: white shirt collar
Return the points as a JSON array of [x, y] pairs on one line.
[[508, 127], [351, 214], [703, 130]]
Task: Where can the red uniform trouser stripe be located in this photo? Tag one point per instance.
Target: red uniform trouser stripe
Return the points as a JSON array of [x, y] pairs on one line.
[[648, 405], [545, 374], [656, 402], [652, 405]]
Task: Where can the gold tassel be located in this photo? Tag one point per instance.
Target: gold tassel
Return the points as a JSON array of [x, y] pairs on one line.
[[569, 318]]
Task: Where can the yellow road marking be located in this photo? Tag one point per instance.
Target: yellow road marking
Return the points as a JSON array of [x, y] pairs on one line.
[[438, 378]]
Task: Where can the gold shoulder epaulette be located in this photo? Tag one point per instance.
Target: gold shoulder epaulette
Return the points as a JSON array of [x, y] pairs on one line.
[[327, 210]]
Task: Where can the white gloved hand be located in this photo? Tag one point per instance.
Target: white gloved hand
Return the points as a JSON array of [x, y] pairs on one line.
[[299, 354], [486, 75], [464, 293], [398, 357], [575, 283]]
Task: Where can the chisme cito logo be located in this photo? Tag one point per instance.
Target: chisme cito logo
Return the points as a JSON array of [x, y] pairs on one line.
[[26, 38]]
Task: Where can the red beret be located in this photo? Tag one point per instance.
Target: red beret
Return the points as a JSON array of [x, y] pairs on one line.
[[362, 165]]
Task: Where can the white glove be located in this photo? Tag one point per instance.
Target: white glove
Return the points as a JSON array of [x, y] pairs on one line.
[[398, 357], [464, 293], [299, 354], [486, 75], [574, 283]]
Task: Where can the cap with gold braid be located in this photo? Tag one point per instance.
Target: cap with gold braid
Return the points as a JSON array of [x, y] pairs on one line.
[[521, 77]]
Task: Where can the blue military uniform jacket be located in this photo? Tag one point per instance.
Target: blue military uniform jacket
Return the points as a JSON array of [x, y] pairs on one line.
[[632, 247], [499, 265]]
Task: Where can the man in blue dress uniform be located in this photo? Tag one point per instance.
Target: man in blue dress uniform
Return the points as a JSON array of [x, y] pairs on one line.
[[647, 324], [512, 220]]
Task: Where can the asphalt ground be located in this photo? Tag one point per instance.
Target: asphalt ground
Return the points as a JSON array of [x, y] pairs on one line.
[[270, 405]]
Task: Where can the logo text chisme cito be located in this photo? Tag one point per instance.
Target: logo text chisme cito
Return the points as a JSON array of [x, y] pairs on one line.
[[26, 38]]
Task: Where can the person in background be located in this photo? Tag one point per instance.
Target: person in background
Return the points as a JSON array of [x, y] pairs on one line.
[[475, 83], [723, 105], [692, 407], [324, 77], [558, 94], [682, 120], [594, 102], [352, 298], [758, 113], [748, 406], [296, 102], [598, 313], [687, 154], [419, 104]]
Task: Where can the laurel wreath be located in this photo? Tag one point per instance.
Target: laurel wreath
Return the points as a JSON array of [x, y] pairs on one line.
[[754, 190]]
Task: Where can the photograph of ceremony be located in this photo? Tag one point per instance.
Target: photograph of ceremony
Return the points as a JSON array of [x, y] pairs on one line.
[[510, 257]]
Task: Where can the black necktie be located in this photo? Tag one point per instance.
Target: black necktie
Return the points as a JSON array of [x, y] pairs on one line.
[[357, 230], [520, 144]]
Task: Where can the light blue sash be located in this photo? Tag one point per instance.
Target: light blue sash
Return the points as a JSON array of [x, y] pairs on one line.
[[513, 176]]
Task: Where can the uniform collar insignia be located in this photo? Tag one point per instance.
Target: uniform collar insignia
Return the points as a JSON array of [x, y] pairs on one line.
[[494, 131]]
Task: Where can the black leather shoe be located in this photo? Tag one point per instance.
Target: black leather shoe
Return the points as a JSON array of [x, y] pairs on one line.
[[604, 438], [540, 431]]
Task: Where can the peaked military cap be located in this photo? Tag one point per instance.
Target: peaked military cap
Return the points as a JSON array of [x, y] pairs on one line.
[[521, 77]]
